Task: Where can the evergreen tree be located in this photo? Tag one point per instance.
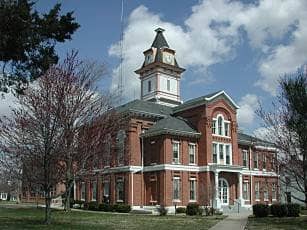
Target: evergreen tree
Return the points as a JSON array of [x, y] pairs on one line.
[[28, 39]]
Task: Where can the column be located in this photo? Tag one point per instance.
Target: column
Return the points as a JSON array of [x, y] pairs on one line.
[[240, 190], [217, 202]]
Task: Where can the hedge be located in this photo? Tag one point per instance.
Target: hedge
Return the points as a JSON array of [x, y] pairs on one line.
[[123, 208], [162, 211], [279, 210], [193, 209], [181, 210], [293, 210], [260, 210]]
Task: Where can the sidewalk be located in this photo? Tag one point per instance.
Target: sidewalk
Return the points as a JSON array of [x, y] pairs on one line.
[[234, 221]]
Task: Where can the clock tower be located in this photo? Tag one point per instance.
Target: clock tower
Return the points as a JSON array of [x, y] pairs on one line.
[[160, 74]]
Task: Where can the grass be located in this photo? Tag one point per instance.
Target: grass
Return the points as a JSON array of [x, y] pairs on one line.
[[23, 217], [274, 223]]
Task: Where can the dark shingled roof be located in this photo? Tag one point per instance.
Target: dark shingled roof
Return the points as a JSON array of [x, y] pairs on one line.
[[172, 125], [145, 107], [159, 41], [250, 140]]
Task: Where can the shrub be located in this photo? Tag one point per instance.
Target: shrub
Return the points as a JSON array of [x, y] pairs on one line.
[[293, 210], [123, 208], [279, 210], [105, 207], [181, 210], [162, 211], [93, 206], [260, 210], [192, 209]]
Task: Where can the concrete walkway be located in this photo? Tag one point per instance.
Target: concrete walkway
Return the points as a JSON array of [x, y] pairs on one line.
[[234, 221]]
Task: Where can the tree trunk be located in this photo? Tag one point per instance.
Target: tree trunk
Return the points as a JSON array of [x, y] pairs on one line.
[[48, 210], [67, 196], [305, 176]]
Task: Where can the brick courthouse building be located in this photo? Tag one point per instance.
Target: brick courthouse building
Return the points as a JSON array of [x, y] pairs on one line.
[[175, 153]]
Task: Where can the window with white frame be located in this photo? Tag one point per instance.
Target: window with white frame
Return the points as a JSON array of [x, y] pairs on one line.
[[192, 153], [168, 85], [221, 151], [192, 189], [120, 189], [106, 188], [220, 126], [227, 150], [264, 162], [82, 191], [176, 188], [257, 192], [274, 195], [120, 145], [214, 153], [94, 190], [245, 191], [107, 149], [214, 126], [226, 129], [256, 160], [149, 86], [265, 193], [245, 158], [176, 152]]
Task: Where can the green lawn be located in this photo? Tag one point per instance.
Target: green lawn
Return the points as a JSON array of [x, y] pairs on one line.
[[275, 223], [23, 217]]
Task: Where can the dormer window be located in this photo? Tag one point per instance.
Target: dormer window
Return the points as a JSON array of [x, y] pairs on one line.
[[220, 126]]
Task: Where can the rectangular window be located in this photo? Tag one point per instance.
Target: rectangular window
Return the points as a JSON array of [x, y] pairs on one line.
[[94, 190], [149, 86], [227, 148], [120, 190], [192, 189], [221, 151], [168, 85], [176, 188], [274, 195], [273, 164], [265, 193], [245, 191], [176, 152], [214, 153], [255, 160], [192, 153], [82, 191], [220, 125], [264, 162], [106, 192], [257, 194], [245, 158], [226, 129], [214, 127]]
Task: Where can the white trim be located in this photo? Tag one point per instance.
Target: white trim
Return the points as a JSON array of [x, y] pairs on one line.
[[259, 147], [223, 92]]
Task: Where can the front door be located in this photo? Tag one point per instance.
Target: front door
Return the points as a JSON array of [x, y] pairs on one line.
[[223, 191]]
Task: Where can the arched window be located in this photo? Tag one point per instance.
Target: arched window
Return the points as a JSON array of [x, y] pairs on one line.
[[220, 125], [120, 146]]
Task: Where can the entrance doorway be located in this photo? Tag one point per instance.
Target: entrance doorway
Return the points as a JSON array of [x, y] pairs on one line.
[[223, 191]]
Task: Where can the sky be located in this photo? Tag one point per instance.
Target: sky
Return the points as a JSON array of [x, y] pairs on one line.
[[241, 47]]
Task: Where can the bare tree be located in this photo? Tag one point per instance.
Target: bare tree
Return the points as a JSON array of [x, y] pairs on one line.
[[287, 129], [59, 127]]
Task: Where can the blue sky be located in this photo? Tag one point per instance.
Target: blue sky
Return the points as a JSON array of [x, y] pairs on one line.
[[241, 47]]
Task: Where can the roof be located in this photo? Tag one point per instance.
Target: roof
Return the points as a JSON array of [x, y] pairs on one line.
[[160, 40], [172, 125], [250, 140], [204, 100], [145, 108]]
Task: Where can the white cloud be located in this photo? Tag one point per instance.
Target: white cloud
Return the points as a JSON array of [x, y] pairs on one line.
[[7, 103], [246, 112], [278, 29]]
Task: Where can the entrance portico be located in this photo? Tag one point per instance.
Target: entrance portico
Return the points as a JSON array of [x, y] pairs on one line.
[[228, 185]]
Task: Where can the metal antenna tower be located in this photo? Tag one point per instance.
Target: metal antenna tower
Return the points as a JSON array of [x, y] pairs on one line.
[[121, 44]]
